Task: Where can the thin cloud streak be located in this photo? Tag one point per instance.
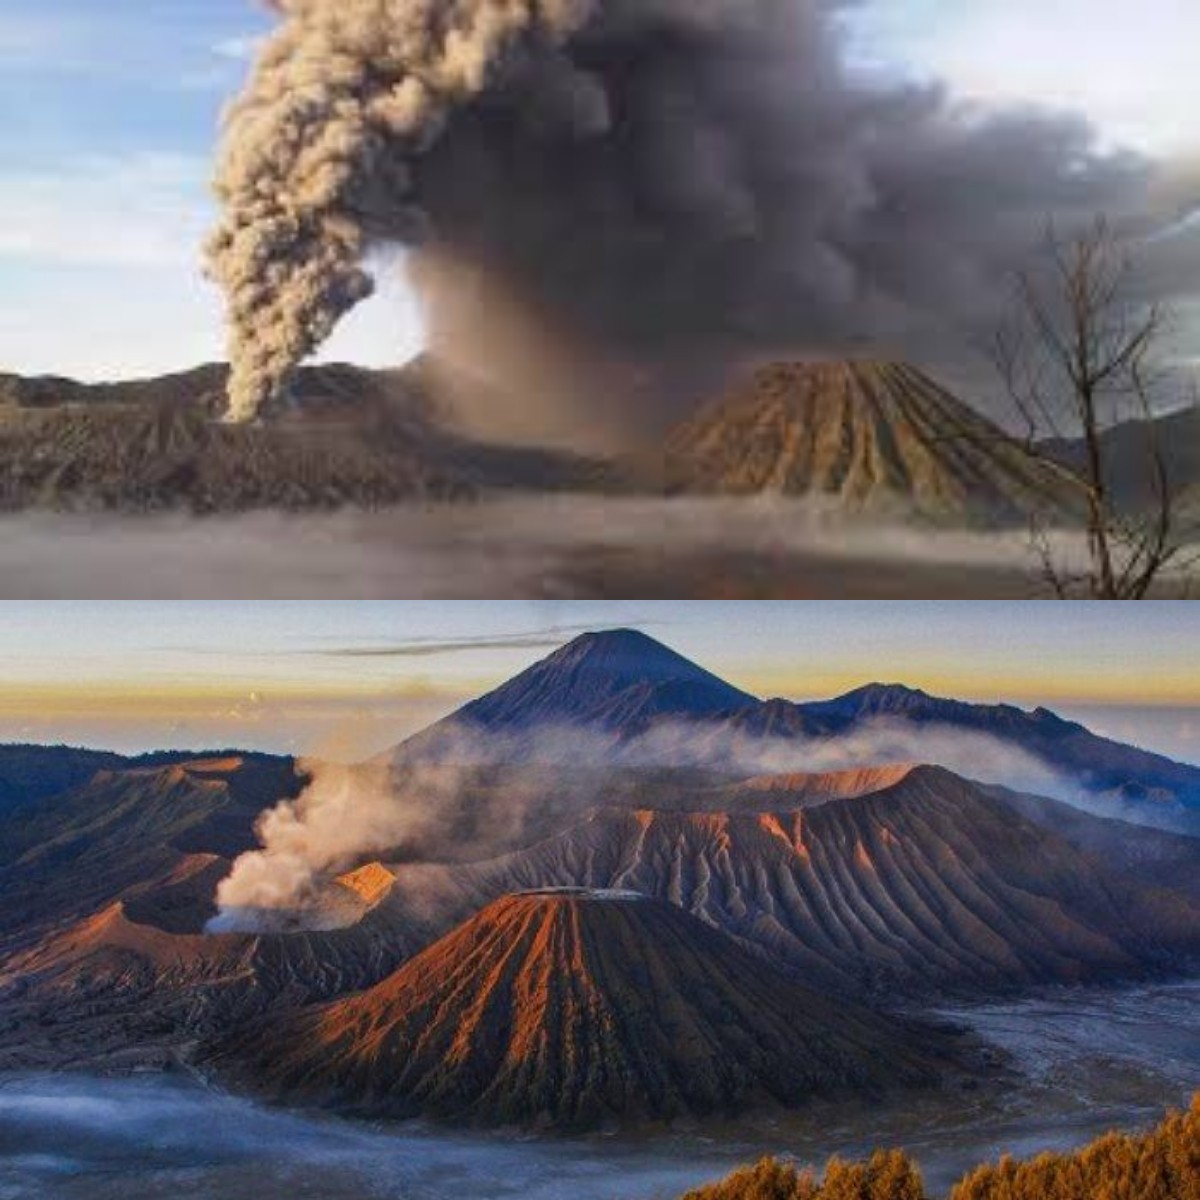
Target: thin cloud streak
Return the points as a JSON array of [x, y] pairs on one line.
[[550, 638]]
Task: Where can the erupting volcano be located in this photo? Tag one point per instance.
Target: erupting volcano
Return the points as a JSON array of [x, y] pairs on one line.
[[610, 204]]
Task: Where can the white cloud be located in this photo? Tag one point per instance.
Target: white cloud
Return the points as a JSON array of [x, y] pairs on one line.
[[103, 279], [1132, 68], [108, 324], [101, 264], [240, 49], [143, 210]]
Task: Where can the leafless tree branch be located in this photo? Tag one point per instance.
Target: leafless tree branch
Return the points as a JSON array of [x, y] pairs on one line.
[[1077, 353]]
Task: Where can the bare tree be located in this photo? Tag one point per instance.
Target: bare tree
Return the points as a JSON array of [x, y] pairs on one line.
[[1079, 356]]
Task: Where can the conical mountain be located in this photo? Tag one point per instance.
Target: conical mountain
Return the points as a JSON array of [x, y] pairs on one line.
[[877, 436], [621, 698], [608, 680], [572, 1009]]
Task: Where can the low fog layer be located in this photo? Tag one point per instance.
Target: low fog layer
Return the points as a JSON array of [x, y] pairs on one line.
[[91, 1139], [568, 547]]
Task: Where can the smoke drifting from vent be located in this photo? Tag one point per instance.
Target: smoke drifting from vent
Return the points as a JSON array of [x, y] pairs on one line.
[[436, 805], [342, 813], [608, 200]]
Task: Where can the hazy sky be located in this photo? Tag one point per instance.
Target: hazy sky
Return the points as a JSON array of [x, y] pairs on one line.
[[109, 109], [351, 677]]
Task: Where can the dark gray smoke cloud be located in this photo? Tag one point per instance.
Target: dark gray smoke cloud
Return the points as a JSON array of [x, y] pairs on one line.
[[611, 202]]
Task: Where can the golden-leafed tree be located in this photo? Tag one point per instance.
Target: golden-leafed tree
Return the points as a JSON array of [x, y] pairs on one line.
[[768, 1179], [1163, 1164]]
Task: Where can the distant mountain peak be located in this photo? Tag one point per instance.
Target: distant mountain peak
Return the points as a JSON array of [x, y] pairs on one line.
[[901, 698], [626, 652], [889, 691], [610, 678]]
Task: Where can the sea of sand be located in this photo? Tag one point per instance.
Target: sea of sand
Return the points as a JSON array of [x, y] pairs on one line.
[[1084, 1060]]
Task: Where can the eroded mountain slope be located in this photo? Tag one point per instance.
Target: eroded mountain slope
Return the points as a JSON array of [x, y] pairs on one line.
[[568, 1010], [930, 883], [876, 436]]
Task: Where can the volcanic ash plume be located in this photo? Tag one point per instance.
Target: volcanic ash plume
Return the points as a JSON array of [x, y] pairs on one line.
[[319, 158], [660, 187]]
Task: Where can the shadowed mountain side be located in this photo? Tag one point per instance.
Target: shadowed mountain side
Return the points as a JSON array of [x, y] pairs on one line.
[[129, 829], [345, 437], [619, 680], [1124, 449], [1141, 782], [571, 1011], [873, 436], [929, 884], [1149, 855], [31, 773], [135, 984]]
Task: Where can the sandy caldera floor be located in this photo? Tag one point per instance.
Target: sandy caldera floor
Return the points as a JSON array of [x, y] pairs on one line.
[[1085, 1060], [534, 547]]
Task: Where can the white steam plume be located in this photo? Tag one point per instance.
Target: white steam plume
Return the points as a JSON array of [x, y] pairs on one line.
[[343, 812], [434, 806]]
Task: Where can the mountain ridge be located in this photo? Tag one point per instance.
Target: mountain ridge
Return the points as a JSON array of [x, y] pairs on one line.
[[931, 882], [693, 718], [928, 886], [863, 436], [344, 436]]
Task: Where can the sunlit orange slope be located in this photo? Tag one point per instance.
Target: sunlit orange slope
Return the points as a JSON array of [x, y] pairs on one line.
[[569, 1009]]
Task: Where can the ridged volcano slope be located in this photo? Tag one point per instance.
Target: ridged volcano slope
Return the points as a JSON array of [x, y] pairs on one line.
[[927, 884], [873, 435], [570, 1010]]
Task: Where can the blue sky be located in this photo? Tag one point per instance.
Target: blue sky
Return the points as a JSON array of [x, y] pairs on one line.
[[358, 675], [108, 112]]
